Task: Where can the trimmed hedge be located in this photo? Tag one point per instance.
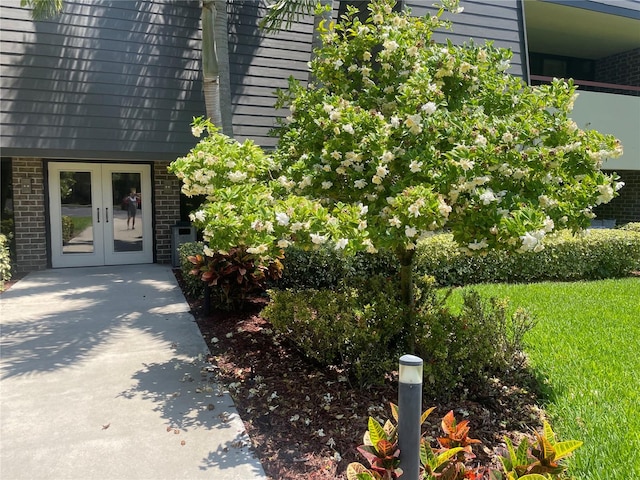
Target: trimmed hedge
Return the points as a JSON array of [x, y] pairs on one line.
[[595, 255], [598, 254], [631, 226]]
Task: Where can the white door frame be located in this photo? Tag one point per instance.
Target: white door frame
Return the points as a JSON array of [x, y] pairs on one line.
[[105, 216]]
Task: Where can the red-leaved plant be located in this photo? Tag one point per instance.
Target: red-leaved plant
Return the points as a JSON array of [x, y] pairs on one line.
[[448, 462], [234, 274]]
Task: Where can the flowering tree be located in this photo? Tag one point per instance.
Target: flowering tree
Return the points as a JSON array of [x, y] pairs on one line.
[[398, 138]]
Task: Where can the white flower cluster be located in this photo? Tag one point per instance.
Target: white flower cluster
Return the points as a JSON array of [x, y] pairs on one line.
[[382, 157]]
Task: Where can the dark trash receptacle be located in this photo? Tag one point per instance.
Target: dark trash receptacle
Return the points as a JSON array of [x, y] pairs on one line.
[[180, 233]]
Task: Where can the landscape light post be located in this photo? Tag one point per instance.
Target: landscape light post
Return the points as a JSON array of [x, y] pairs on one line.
[[409, 413]]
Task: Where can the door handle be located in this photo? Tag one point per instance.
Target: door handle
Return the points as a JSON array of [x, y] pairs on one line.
[[106, 215], [98, 210]]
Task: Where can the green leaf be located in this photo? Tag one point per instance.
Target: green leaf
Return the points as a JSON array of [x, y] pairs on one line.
[[376, 432], [563, 449], [521, 453], [548, 433], [427, 457], [446, 455], [511, 459]]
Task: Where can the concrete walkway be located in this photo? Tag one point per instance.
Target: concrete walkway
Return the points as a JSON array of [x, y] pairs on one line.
[[100, 379]]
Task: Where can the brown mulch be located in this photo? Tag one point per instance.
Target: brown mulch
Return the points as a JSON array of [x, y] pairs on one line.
[[305, 422], [10, 283]]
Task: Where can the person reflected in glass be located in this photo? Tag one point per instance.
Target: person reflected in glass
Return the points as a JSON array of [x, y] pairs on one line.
[[132, 207]]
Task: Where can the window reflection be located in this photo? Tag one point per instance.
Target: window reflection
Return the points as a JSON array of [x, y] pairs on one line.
[[127, 212], [77, 221]]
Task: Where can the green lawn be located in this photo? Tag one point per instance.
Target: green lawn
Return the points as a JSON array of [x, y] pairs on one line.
[[587, 346]]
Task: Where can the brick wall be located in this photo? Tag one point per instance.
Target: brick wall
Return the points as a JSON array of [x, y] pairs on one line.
[[626, 207], [622, 69], [29, 217], [167, 207]]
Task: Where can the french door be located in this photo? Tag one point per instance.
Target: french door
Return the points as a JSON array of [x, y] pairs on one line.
[[91, 222]]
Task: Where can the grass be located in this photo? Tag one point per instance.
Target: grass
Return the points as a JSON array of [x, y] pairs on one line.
[[586, 348], [80, 223]]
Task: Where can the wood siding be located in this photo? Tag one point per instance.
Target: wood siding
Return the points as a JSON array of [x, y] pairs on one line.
[[499, 21], [120, 79], [261, 63], [108, 79]]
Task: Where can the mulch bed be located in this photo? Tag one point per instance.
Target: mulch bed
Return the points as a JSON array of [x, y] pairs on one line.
[[305, 422]]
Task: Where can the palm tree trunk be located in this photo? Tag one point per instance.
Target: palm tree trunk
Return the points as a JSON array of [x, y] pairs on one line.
[[215, 64]]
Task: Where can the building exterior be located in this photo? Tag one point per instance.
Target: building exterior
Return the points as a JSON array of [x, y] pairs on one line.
[[597, 43], [97, 103]]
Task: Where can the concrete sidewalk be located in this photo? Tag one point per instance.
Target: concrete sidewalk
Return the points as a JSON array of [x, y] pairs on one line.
[[100, 379]]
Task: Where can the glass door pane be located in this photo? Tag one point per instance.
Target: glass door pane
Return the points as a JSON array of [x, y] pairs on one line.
[[128, 237], [127, 216], [76, 223]]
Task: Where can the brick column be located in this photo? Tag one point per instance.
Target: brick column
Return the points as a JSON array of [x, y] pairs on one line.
[[29, 218], [167, 208]]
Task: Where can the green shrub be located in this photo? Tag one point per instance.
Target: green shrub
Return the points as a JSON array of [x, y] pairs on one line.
[[353, 328], [310, 269], [5, 260], [193, 285], [67, 228], [595, 255], [327, 268], [598, 254], [462, 350], [360, 329]]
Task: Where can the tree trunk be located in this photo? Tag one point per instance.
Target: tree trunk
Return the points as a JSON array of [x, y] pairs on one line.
[[215, 64], [406, 286]]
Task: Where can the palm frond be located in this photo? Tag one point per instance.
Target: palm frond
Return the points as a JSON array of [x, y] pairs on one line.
[[43, 9], [285, 13]]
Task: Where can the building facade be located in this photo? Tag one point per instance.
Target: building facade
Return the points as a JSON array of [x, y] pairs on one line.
[[97, 102], [597, 43]]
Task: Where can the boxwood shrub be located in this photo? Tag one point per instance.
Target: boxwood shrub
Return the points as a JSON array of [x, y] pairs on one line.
[[353, 328]]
